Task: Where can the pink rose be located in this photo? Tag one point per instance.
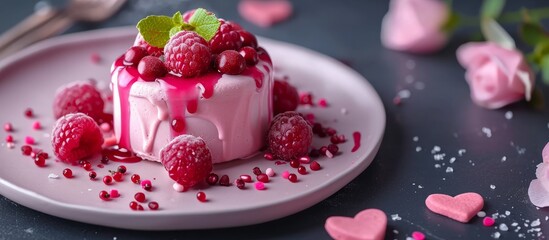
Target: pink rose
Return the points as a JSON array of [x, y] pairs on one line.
[[497, 76], [415, 26]]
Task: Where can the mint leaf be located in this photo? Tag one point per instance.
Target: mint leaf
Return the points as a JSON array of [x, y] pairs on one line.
[[204, 23], [156, 30], [174, 31], [492, 8], [451, 23], [177, 18], [544, 66]]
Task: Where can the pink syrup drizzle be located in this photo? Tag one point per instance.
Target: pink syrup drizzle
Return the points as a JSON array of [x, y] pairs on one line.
[[117, 154], [181, 93], [356, 138]]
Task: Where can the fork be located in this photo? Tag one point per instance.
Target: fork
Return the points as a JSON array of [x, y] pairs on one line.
[[48, 22]]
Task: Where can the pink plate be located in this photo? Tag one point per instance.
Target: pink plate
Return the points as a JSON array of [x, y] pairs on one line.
[[30, 78]]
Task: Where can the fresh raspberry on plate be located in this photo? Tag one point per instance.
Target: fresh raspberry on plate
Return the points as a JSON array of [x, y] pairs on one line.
[[153, 51], [188, 54], [76, 136], [285, 97], [187, 160], [80, 97], [290, 136], [226, 38]]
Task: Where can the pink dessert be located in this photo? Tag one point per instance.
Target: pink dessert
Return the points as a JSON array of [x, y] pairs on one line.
[[230, 110]]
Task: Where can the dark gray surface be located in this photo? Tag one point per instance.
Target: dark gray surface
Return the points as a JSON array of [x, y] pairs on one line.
[[400, 178]]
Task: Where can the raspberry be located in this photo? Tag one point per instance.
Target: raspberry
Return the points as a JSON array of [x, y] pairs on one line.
[[230, 62], [78, 97], [290, 136], [226, 38], [76, 136], [153, 51], [187, 160], [188, 54], [285, 97]]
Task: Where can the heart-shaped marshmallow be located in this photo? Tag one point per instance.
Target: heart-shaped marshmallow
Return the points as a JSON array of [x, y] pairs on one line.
[[369, 224], [265, 13], [460, 208]]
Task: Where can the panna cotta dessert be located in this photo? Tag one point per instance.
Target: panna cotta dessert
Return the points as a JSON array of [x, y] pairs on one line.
[[200, 76]]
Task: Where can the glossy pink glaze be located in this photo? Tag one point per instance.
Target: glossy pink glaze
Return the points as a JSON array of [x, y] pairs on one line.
[[231, 112]]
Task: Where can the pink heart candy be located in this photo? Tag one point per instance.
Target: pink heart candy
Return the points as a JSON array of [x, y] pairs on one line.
[[265, 13], [369, 224], [460, 208]]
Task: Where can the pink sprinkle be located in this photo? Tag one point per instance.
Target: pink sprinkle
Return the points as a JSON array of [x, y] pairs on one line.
[[114, 193], [29, 140], [265, 13], [329, 154], [305, 159], [246, 178], [270, 172], [268, 156], [10, 145], [285, 174], [418, 235], [95, 58], [259, 186], [323, 103], [36, 125], [9, 138], [8, 127], [105, 127], [488, 221], [356, 138]]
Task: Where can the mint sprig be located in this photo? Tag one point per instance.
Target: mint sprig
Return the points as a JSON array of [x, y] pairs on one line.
[[157, 30]]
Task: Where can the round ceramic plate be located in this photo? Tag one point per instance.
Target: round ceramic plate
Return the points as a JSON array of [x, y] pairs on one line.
[[30, 78]]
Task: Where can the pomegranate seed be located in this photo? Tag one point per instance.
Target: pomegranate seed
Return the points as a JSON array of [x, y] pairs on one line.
[[107, 179], [230, 62], [121, 169], [153, 205], [250, 55], [115, 193], [151, 67], [104, 195], [224, 181], [39, 161], [43, 155], [292, 177], [268, 156], [201, 196], [134, 55], [105, 160], [140, 197], [330, 131], [9, 138], [305, 159], [133, 205], [87, 165], [117, 176], [26, 150], [334, 139], [263, 178], [323, 150], [240, 183], [314, 153], [317, 128], [246, 178], [302, 170], [342, 138], [248, 39], [178, 124], [8, 127], [294, 163], [333, 149], [212, 179], [306, 98], [314, 166], [136, 178], [92, 175], [146, 184], [36, 125], [28, 112], [67, 173], [256, 171]]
